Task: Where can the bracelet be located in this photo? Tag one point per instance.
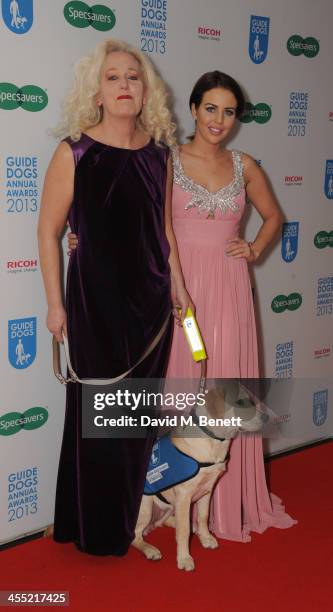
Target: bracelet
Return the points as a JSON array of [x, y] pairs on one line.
[[255, 255]]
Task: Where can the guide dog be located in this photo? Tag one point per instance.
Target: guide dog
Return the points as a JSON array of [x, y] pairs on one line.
[[211, 454]]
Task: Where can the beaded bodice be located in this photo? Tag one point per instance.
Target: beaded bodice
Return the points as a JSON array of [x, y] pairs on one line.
[[204, 200]]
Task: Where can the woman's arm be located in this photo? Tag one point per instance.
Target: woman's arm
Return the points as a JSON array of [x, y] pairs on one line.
[[56, 200], [261, 196], [180, 297]]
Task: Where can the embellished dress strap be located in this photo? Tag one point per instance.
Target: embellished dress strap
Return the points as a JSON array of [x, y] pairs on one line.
[[177, 167], [238, 167]]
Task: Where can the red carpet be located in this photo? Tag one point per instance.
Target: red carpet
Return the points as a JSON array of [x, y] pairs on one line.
[[280, 570]]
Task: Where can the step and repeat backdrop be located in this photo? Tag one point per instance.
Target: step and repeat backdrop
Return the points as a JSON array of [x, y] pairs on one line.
[[281, 53]]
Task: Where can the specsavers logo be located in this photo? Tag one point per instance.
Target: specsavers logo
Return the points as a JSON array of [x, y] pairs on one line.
[[323, 239], [33, 418], [80, 15], [283, 302], [260, 113], [297, 45], [30, 97]]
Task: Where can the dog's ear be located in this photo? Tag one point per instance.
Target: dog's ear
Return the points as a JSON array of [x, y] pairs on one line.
[[215, 403]]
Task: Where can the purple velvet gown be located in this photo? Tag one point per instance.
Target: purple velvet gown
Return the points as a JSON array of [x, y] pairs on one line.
[[118, 297]]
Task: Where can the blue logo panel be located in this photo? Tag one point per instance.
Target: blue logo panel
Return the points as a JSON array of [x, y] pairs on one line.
[[18, 15], [168, 466], [289, 244], [258, 42], [329, 179], [22, 342], [320, 401]]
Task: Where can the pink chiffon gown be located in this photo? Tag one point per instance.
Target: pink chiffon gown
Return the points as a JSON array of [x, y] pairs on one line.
[[220, 288]]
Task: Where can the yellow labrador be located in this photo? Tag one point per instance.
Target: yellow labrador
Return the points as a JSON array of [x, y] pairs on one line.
[[210, 452]]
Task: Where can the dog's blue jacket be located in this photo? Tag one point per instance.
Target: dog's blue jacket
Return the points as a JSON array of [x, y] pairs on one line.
[[168, 467]]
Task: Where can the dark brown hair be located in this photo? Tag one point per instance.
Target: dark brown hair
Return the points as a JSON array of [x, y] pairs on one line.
[[212, 80]]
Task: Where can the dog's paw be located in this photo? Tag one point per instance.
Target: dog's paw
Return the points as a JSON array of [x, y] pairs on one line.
[[151, 552], [186, 563], [208, 541]]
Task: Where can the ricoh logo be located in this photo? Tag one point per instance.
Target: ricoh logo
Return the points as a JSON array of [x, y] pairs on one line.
[[22, 192], [209, 33], [319, 407], [22, 342], [22, 265], [289, 245], [323, 239], [298, 108], [286, 302], [18, 15], [30, 97], [260, 113], [284, 355], [324, 296], [13, 422], [80, 15], [154, 26], [293, 180], [319, 353], [22, 493], [297, 45], [258, 41]]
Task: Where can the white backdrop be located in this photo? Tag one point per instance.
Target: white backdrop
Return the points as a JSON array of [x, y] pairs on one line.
[[40, 40]]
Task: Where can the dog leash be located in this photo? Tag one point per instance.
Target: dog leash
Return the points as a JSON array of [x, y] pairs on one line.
[[193, 414], [96, 381]]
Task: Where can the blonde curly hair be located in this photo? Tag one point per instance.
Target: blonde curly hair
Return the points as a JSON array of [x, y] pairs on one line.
[[80, 110]]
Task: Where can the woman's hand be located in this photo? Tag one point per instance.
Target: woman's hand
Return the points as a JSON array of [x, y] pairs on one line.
[[57, 322], [181, 301], [72, 242], [239, 248]]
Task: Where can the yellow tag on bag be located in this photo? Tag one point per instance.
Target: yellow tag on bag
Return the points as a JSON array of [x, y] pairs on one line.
[[193, 336]]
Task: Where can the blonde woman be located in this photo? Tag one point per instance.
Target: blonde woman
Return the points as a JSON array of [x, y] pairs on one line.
[[112, 178]]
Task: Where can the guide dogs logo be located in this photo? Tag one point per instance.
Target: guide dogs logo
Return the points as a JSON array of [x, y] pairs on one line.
[[260, 113], [283, 302], [30, 97], [289, 241], [154, 27], [298, 109], [328, 187], [297, 45], [80, 15], [33, 418], [18, 15], [320, 401], [324, 296], [323, 239], [284, 356], [22, 342], [258, 43]]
